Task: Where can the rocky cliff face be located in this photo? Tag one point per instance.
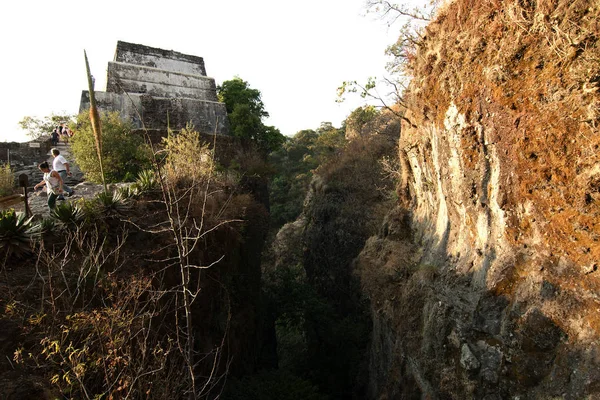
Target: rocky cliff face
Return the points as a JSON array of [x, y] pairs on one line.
[[484, 283]]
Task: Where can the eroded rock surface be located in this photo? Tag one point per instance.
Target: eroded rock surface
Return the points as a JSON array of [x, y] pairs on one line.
[[491, 289]]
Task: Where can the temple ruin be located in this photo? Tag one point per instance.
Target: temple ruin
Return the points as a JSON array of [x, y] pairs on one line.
[[156, 89]]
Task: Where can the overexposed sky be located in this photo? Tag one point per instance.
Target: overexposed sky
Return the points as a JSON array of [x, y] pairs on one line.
[[295, 53]]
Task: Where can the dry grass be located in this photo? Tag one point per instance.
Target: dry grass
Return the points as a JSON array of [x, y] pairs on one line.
[[527, 72], [530, 69]]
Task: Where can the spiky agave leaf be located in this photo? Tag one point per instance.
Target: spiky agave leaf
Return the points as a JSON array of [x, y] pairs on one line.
[[112, 202], [15, 235], [43, 227], [128, 192], [146, 180], [68, 213]]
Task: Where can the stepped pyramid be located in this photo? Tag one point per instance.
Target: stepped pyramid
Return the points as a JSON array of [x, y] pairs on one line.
[[156, 88]]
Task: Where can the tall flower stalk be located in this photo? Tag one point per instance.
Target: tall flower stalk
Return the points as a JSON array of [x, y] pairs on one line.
[[95, 120]]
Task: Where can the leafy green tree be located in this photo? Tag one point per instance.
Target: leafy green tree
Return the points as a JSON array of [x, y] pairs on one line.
[[271, 138], [245, 123], [362, 115], [328, 141], [295, 162], [125, 154], [37, 127], [236, 92], [359, 119], [246, 111]]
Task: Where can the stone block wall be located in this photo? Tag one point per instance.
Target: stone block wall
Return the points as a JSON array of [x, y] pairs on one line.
[[158, 89], [168, 60], [23, 154], [136, 79], [146, 111]]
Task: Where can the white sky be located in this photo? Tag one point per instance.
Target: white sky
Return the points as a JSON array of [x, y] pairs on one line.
[[296, 53]]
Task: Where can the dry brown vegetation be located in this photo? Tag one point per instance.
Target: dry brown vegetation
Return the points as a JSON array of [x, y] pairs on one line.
[[528, 71], [142, 300], [535, 64], [499, 172]]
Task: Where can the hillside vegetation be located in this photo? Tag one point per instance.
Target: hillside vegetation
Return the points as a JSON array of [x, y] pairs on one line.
[[148, 292], [445, 247]]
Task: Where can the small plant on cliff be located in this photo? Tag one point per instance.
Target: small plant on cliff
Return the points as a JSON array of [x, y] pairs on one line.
[[400, 53], [15, 235], [97, 337], [7, 180], [196, 205], [124, 153]]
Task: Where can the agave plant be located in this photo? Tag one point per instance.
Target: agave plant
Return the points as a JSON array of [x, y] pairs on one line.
[[68, 213], [146, 180], [15, 235], [43, 227], [112, 202], [129, 191]]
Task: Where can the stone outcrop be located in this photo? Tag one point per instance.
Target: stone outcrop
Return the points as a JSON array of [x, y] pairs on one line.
[[483, 282], [156, 89]]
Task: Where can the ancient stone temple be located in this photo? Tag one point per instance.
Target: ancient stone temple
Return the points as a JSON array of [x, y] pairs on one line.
[[156, 89]]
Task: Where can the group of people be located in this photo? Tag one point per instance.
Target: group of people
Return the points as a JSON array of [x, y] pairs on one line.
[[54, 178], [60, 132]]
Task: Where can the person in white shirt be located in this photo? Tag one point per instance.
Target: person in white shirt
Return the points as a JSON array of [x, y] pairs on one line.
[[53, 183], [60, 165]]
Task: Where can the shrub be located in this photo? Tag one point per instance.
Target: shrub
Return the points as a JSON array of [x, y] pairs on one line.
[[110, 351], [7, 180], [124, 153], [15, 235], [188, 160]]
